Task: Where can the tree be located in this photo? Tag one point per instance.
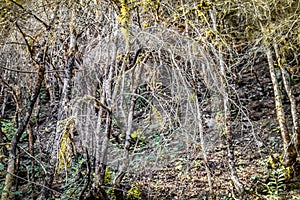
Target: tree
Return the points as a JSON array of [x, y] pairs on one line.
[[38, 61], [120, 90], [271, 37]]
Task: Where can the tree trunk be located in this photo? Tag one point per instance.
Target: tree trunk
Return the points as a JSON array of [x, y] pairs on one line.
[[290, 153], [135, 80], [294, 112], [203, 148], [63, 111], [2, 147], [227, 113], [31, 152], [20, 130], [228, 133]]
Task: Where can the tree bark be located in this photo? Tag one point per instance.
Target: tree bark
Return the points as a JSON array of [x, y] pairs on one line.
[[228, 133], [31, 152], [64, 108], [19, 132], [203, 148], [290, 153], [294, 112], [135, 79]]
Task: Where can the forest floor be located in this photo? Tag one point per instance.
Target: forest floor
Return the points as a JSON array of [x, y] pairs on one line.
[[181, 174], [258, 151], [186, 178]]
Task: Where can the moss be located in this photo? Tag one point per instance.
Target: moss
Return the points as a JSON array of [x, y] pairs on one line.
[[65, 150], [124, 19]]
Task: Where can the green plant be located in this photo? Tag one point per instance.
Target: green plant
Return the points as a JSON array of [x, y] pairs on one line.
[[227, 197], [74, 179], [8, 127], [108, 179], [108, 176], [274, 180], [276, 183], [134, 193], [111, 193]]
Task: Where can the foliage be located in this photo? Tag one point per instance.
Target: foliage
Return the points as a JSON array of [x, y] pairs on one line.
[[134, 193], [275, 178], [108, 177], [108, 182], [8, 127], [153, 100], [276, 183], [75, 179]]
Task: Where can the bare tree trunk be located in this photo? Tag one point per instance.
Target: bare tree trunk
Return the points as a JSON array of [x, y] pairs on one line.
[[98, 136], [31, 152], [135, 79], [64, 108], [107, 110], [294, 112], [1, 146], [228, 133], [4, 100], [2, 135], [19, 132], [64, 104], [203, 148], [227, 113], [290, 153], [50, 86]]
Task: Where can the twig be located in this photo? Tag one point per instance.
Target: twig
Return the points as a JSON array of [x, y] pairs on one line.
[[31, 72], [38, 184], [26, 41], [34, 159], [30, 12]]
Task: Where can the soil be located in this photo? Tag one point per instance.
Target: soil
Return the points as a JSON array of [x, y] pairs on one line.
[[257, 140]]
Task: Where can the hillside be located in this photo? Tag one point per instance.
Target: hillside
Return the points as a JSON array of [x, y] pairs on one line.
[[117, 99]]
